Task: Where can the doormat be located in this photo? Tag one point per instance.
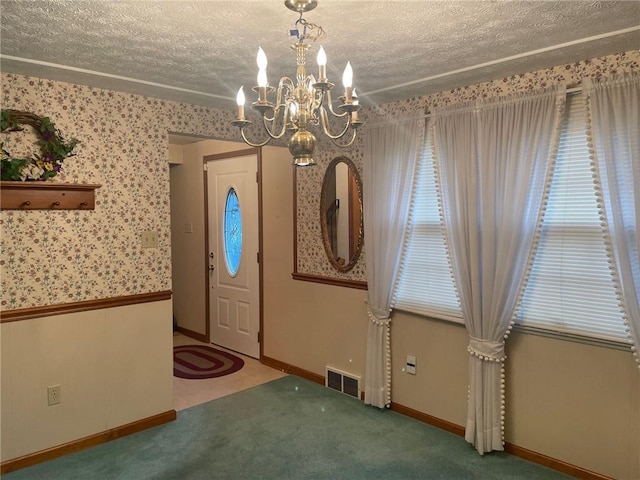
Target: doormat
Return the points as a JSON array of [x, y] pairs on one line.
[[199, 361]]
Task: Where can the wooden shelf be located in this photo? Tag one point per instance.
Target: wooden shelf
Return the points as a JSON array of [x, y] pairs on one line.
[[47, 196]]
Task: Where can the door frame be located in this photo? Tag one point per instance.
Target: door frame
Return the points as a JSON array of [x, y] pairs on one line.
[[225, 156]]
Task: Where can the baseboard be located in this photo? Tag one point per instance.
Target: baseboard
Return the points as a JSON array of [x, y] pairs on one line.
[[555, 464], [516, 451], [86, 442], [287, 368], [201, 337], [425, 418]]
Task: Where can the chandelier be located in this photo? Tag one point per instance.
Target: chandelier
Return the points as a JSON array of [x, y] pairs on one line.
[[305, 102]]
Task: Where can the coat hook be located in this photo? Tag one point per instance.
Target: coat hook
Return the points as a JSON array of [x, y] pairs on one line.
[[26, 203], [84, 204], [56, 204]]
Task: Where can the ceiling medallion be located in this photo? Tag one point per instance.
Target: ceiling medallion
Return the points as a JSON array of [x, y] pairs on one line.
[[305, 102]]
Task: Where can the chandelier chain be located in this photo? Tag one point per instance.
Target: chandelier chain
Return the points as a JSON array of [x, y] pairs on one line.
[[311, 27]]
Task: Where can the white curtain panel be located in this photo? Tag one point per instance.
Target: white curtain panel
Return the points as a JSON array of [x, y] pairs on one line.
[[613, 121], [494, 161], [391, 152]]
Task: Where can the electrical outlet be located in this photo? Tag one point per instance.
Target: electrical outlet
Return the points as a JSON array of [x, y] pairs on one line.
[[411, 364], [54, 394], [149, 239]]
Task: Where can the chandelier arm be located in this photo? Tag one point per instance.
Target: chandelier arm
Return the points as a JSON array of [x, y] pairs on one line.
[[284, 83], [330, 104], [272, 120], [337, 115], [353, 137], [273, 125], [325, 126], [316, 101], [285, 87], [251, 144], [317, 95], [275, 113]]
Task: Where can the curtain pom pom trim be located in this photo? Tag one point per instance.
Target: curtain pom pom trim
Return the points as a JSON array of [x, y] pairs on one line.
[[386, 324], [553, 156], [604, 224], [486, 350]]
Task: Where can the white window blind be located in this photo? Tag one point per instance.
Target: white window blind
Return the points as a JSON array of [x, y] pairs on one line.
[[426, 285], [570, 289]]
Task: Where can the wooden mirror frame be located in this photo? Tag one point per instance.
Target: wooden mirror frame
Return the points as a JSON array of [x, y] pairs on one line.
[[329, 280], [355, 232]]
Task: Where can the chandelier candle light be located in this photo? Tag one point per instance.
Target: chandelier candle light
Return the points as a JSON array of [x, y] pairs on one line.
[[302, 103]]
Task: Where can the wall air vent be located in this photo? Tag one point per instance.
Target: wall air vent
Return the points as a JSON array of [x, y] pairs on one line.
[[343, 382]]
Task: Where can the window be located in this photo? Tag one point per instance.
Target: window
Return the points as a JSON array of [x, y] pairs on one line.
[[232, 232], [426, 283], [570, 289]]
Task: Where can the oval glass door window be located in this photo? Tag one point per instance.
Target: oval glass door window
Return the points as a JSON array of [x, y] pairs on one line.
[[232, 232]]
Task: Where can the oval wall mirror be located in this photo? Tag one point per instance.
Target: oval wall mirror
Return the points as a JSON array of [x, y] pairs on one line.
[[341, 214]]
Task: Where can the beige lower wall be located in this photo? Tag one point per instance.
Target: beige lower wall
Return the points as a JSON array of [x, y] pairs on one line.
[[573, 402], [311, 326], [114, 366], [439, 387], [576, 402]]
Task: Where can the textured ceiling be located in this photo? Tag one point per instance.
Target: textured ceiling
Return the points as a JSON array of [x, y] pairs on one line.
[[202, 51]]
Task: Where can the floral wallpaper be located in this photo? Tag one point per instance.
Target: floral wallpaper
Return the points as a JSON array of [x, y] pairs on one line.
[[311, 258], [55, 257]]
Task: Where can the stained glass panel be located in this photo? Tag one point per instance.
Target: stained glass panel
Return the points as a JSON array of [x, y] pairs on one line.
[[232, 232]]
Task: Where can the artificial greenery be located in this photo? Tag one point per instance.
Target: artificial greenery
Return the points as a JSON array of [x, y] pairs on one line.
[[53, 148]]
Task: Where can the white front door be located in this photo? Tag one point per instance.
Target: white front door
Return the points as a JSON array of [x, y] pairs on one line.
[[234, 299]]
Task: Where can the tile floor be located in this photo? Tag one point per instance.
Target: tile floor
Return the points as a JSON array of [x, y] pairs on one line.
[[188, 393]]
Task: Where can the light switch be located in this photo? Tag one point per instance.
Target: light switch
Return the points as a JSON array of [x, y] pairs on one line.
[[411, 364], [149, 239]]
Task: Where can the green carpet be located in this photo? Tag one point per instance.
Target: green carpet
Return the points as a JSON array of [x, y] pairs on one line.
[[287, 429]]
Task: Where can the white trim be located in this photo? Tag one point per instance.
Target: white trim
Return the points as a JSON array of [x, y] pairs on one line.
[[413, 82], [111, 76], [507, 59]]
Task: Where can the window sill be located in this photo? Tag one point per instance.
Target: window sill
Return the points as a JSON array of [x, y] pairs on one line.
[[621, 345]]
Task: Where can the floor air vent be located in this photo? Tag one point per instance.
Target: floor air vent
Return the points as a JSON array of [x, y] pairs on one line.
[[343, 382]]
